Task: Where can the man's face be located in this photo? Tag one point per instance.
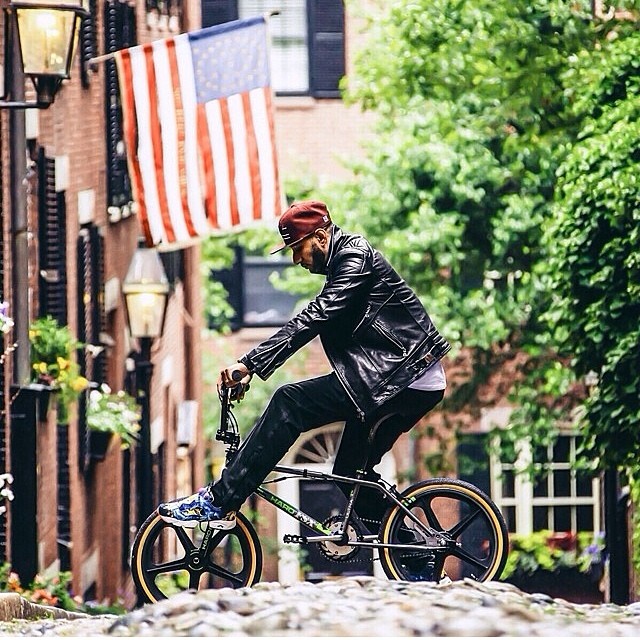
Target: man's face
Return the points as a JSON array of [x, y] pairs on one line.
[[311, 252]]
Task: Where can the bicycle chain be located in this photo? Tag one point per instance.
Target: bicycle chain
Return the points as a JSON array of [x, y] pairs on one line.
[[409, 554]]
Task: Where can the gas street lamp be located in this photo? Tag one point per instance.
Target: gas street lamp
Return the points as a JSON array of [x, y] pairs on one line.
[[43, 35], [146, 290]]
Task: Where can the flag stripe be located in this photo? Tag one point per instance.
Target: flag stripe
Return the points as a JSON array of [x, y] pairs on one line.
[[239, 150], [209, 176], [174, 74], [199, 131], [145, 146], [231, 161], [277, 204], [123, 64], [252, 156], [156, 143], [263, 136], [168, 131], [221, 164], [196, 182]]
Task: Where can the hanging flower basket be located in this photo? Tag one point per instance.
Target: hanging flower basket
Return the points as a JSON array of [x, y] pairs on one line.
[[114, 414], [99, 442]]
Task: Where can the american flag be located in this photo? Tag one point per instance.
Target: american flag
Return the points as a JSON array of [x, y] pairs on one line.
[[199, 131]]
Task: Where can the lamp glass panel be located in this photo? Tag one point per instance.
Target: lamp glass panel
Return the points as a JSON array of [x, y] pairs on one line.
[[146, 312], [71, 4], [46, 38]]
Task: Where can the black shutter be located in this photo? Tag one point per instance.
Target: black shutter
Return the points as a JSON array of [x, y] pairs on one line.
[[52, 243], [326, 47], [218, 11], [88, 42], [120, 33], [91, 321], [3, 372]]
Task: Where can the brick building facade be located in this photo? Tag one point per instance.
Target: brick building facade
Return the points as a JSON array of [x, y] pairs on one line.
[[75, 511]]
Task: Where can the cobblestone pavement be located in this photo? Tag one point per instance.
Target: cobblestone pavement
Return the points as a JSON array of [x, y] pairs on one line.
[[353, 607]]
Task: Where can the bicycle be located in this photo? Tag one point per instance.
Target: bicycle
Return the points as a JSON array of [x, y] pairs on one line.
[[433, 529]]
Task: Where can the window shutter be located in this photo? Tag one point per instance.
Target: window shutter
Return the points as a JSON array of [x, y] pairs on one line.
[[91, 321], [88, 42], [218, 11], [3, 370], [326, 47], [120, 33], [52, 242]]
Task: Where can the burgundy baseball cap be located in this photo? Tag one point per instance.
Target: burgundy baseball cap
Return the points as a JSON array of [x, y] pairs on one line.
[[300, 220]]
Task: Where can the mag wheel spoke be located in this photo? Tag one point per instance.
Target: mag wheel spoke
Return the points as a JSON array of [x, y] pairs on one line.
[[161, 568], [235, 579], [473, 541], [456, 531], [168, 567]]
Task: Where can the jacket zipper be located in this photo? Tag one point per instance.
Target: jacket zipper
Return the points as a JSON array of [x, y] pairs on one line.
[[359, 411], [389, 336]]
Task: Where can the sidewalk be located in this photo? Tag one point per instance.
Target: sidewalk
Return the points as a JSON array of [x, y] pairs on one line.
[[14, 607]]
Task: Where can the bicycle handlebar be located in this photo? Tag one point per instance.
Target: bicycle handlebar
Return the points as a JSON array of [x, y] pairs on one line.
[[228, 430]]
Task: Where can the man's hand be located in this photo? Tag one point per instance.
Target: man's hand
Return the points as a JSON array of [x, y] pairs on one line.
[[233, 376]]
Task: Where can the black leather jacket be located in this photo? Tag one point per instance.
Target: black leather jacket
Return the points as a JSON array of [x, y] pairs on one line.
[[375, 332]]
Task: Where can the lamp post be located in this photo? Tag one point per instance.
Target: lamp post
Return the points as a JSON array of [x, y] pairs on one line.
[[146, 290], [39, 39]]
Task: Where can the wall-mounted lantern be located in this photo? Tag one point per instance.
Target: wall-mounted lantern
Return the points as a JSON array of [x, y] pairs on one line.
[[44, 34]]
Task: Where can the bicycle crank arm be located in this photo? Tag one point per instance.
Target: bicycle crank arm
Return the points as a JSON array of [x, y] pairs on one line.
[[291, 538]]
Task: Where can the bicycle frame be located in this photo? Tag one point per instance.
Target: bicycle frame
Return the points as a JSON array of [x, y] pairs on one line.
[[228, 433], [325, 535]]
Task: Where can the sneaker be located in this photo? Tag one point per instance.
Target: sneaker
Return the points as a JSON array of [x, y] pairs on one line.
[[196, 509]]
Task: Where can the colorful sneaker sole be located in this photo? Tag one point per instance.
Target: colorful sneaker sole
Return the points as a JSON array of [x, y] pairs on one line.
[[225, 524]]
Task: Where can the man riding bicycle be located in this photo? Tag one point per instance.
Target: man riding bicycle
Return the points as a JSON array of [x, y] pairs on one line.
[[385, 354]]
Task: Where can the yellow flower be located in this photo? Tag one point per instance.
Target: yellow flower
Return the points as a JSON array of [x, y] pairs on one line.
[[79, 384], [63, 363], [40, 367]]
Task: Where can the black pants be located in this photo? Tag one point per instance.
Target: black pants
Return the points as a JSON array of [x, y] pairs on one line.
[[308, 404]]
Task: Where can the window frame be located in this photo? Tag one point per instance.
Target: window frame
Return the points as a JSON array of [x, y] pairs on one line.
[[523, 502]]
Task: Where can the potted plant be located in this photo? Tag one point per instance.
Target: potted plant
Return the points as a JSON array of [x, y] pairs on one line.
[[111, 414], [560, 564], [6, 325], [6, 321], [52, 362]]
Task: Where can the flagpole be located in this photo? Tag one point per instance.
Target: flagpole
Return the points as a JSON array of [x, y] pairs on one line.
[[92, 62]]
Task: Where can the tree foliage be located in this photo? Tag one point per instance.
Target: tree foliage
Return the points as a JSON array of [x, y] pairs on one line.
[[503, 184], [594, 271]]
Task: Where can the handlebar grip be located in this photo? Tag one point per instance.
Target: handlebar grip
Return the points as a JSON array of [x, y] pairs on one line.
[[236, 376]]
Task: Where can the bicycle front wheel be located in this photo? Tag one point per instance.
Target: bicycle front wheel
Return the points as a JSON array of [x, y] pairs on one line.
[[474, 540], [167, 559]]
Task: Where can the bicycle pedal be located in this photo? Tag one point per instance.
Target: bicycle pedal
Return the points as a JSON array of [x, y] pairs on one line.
[[294, 539]]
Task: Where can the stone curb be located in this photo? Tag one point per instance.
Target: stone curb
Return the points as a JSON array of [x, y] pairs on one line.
[[14, 607]]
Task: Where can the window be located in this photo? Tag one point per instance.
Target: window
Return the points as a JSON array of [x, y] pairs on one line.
[[289, 45], [307, 41], [563, 499], [255, 301]]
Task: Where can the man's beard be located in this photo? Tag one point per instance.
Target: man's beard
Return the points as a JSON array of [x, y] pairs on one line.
[[318, 259]]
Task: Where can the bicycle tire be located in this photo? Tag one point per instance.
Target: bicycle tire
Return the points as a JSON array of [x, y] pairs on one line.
[[164, 560], [465, 514]]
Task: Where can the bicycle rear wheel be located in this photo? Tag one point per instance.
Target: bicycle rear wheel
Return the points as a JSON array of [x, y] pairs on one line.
[[471, 523], [167, 559]]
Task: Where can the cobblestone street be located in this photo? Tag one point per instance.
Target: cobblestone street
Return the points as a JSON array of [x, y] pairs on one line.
[[351, 607]]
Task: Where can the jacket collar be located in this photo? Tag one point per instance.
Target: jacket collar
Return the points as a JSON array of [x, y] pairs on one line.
[[336, 234]]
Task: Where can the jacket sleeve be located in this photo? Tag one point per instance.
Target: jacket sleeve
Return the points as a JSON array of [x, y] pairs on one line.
[[348, 282]]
